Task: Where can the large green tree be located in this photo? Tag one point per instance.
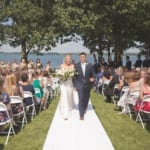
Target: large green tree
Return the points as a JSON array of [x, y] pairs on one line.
[[113, 25], [143, 25], [102, 24], [32, 28], [96, 36], [39, 24]]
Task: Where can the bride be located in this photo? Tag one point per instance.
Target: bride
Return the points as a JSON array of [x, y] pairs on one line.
[[66, 103]]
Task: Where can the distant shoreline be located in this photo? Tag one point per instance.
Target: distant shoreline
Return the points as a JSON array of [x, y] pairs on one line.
[[59, 53], [45, 53]]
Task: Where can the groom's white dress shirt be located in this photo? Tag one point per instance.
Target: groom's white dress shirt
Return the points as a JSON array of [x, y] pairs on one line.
[[83, 65]]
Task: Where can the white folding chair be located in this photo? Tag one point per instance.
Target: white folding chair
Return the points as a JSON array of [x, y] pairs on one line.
[[99, 85], [124, 89], [55, 86], [141, 111], [18, 101], [47, 96], [28, 94], [131, 100], [104, 85], [3, 109], [50, 92], [116, 87]]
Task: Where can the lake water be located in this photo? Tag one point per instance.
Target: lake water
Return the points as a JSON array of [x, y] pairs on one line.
[[56, 59]]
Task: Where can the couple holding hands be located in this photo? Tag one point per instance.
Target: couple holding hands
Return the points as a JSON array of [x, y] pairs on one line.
[[82, 82]]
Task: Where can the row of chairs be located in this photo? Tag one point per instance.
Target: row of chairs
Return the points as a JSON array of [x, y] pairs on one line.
[[8, 121], [134, 95], [21, 113], [29, 110], [102, 84]]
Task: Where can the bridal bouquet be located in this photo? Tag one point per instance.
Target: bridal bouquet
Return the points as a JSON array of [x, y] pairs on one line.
[[64, 74]]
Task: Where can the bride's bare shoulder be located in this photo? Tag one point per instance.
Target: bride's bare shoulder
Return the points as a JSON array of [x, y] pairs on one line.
[[61, 66], [72, 65]]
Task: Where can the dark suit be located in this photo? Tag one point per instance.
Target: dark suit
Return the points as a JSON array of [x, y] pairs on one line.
[[128, 64], [83, 85]]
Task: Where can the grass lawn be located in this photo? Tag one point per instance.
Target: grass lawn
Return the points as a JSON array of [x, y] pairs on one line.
[[32, 137], [125, 133]]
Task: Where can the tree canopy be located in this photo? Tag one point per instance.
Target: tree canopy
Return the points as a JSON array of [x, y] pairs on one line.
[[40, 24]]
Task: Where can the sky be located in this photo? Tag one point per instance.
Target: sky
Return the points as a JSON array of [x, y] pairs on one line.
[[69, 47]]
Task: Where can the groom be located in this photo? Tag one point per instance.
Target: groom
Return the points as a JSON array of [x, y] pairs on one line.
[[83, 83]]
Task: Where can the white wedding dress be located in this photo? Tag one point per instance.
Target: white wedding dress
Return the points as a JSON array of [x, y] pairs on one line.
[[66, 103]]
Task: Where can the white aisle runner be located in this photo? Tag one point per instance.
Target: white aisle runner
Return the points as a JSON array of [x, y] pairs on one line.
[[75, 134]]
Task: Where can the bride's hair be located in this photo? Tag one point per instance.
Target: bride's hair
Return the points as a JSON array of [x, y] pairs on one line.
[[67, 55]]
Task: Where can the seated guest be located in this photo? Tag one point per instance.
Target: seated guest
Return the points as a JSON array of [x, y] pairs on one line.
[[26, 86], [45, 90], [23, 64], [143, 72], [11, 86], [36, 84], [114, 80], [98, 76], [133, 80], [48, 67], [38, 64], [4, 98], [15, 65], [144, 90], [135, 85], [105, 87], [118, 82], [30, 66]]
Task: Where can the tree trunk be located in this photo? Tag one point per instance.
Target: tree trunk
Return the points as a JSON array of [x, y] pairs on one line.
[[108, 49], [148, 53], [94, 57], [100, 54], [24, 54]]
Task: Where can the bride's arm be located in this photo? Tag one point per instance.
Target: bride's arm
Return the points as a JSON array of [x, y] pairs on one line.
[[73, 66], [61, 66]]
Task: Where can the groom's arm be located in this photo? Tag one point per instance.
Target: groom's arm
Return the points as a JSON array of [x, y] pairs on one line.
[[92, 73]]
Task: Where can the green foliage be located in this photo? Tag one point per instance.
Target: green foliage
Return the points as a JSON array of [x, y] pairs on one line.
[[39, 23], [102, 24], [111, 24], [31, 29], [116, 23]]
